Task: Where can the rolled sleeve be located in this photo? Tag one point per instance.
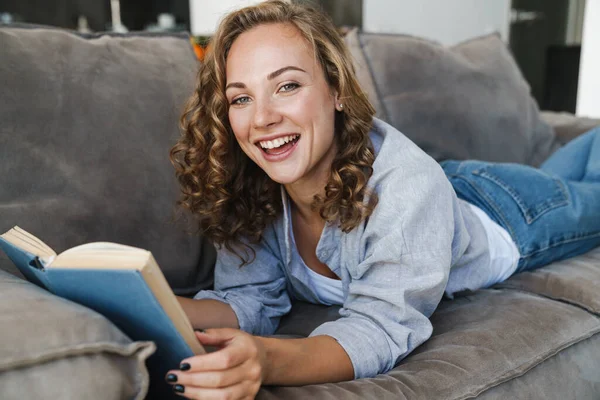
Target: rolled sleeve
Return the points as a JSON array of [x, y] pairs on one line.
[[256, 291], [386, 313], [369, 357]]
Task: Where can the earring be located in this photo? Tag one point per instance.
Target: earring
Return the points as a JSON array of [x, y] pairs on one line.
[[341, 106]]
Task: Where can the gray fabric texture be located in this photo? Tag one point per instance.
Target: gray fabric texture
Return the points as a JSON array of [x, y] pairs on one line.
[[469, 101], [87, 124], [53, 348], [568, 126], [305, 318], [481, 342], [570, 374], [363, 73]]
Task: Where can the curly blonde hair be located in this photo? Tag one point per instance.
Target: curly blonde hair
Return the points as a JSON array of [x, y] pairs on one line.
[[233, 199]]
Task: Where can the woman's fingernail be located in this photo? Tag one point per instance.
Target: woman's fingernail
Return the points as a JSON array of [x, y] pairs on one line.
[[179, 388], [185, 366], [171, 378]]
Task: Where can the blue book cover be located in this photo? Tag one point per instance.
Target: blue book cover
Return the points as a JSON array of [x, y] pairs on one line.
[[120, 282]]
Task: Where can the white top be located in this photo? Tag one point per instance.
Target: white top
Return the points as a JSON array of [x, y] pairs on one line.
[[329, 290], [504, 254]]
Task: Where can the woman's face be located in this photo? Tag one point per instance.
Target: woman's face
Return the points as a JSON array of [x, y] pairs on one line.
[[281, 109]]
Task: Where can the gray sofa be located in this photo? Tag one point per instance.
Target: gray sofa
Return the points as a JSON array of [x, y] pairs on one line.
[[87, 122]]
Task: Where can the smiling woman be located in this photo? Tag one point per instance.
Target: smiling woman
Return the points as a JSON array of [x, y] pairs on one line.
[[274, 63], [307, 196]]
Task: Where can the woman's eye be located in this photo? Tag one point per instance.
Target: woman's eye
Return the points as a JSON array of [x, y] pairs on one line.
[[288, 87], [240, 100]]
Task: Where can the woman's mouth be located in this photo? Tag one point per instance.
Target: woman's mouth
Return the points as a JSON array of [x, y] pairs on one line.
[[279, 146]]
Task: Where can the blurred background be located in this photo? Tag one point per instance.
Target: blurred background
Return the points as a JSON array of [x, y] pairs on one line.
[[556, 43]]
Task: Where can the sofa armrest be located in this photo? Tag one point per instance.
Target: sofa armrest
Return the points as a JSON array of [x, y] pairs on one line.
[[568, 126], [55, 349]]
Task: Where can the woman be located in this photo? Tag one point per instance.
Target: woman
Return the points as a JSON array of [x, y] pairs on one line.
[[307, 196]]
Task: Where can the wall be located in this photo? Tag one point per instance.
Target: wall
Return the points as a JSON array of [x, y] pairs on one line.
[[588, 93], [205, 14], [447, 21]]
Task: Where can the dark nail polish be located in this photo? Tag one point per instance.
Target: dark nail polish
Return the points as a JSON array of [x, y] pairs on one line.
[[185, 366], [179, 388], [171, 378]]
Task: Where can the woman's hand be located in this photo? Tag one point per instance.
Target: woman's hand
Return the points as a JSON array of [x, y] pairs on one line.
[[235, 371]]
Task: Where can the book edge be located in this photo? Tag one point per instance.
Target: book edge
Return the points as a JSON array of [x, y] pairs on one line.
[[157, 283]]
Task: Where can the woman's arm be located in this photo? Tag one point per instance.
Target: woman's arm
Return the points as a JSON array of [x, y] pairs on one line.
[[286, 361], [208, 313], [294, 362], [244, 362]]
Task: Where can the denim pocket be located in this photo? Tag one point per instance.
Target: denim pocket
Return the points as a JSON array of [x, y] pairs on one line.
[[534, 191]]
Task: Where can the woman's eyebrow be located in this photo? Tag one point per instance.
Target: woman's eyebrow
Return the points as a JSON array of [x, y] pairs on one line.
[[238, 85], [280, 71], [271, 76]]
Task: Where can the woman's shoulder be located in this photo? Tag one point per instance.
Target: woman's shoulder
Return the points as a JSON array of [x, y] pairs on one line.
[[398, 159]]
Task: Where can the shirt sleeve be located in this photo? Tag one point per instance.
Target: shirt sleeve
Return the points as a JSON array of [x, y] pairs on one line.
[[256, 291], [401, 273]]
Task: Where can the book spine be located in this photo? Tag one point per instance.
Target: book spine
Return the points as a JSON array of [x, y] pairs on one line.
[[30, 265]]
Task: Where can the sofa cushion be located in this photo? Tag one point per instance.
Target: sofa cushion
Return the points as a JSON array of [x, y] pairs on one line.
[[575, 281], [568, 126], [305, 318], [469, 101], [479, 342], [87, 124], [570, 374], [56, 349]]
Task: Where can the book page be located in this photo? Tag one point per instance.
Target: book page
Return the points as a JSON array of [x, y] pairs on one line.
[[102, 255], [26, 241], [101, 258], [101, 246]]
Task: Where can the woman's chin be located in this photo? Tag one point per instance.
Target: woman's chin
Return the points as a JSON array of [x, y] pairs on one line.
[[283, 178]]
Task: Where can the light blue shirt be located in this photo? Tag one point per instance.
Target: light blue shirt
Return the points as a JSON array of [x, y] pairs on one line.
[[395, 266]]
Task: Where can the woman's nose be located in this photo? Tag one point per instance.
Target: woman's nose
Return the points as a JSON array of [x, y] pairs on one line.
[[265, 115]]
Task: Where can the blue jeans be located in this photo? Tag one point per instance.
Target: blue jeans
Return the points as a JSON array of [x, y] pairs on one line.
[[551, 213]]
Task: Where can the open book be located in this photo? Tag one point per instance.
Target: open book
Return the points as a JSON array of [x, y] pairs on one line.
[[121, 282]]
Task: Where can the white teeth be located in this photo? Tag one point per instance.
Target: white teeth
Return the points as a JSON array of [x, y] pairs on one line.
[[271, 144]]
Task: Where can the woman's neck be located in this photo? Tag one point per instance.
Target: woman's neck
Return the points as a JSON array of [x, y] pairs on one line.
[[302, 200]]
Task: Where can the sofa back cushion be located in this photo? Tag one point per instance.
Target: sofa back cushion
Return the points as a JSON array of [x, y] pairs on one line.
[[87, 124], [469, 101]]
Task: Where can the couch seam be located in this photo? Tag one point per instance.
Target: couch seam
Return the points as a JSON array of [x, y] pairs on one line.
[[548, 356], [508, 286], [96, 35]]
